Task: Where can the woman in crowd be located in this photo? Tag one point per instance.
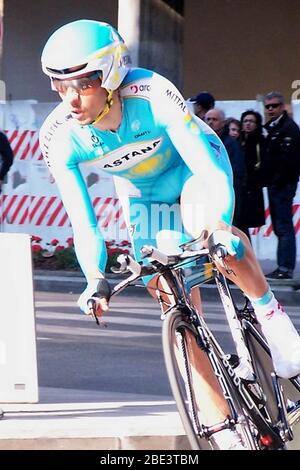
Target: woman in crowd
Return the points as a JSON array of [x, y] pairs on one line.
[[253, 143], [234, 127]]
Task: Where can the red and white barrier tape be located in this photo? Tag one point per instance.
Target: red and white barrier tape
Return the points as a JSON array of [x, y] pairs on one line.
[[25, 144], [49, 211]]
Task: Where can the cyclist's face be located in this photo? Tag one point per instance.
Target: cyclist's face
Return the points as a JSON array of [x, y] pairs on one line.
[[84, 96]]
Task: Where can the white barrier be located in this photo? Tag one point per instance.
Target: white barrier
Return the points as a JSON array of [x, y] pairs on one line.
[[18, 362]]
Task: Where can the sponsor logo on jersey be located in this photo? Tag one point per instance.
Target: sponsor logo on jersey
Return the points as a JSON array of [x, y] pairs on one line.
[[142, 134], [140, 88], [96, 141], [128, 156], [177, 99], [48, 136]]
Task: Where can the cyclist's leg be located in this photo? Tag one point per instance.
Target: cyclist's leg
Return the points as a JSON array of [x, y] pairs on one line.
[[212, 406], [143, 215], [277, 327], [247, 273], [209, 396]]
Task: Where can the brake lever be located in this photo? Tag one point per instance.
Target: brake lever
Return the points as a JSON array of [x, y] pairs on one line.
[[220, 252]]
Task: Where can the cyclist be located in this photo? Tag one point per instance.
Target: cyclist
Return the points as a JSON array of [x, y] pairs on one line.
[[135, 125]]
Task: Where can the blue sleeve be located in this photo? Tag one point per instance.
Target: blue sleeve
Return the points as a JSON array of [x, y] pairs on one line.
[[59, 154], [198, 146]]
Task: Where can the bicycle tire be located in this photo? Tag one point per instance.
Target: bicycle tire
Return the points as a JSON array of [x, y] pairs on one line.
[[173, 323]]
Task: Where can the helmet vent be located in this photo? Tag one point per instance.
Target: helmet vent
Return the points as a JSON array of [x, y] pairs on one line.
[[66, 71]]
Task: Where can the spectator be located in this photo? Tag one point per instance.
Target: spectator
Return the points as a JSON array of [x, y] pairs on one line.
[[203, 102], [234, 127], [215, 118], [6, 157], [283, 168], [253, 144]]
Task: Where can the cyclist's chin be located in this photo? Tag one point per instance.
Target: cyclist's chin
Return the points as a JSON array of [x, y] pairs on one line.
[[82, 118]]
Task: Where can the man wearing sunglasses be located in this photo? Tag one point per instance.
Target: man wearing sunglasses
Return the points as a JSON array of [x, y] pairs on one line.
[[135, 125], [282, 175]]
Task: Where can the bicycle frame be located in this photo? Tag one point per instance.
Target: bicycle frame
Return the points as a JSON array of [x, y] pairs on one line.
[[181, 281], [222, 368]]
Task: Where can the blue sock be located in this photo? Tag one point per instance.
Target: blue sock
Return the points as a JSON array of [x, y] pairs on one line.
[[264, 300]]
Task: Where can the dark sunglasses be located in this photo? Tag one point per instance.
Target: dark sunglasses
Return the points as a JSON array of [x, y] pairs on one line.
[[84, 85], [272, 105]]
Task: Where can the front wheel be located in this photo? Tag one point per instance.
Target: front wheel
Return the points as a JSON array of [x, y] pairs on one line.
[[177, 332], [175, 347]]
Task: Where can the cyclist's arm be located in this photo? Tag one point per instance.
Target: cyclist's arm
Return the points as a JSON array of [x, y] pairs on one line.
[[89, 244], [198, 145]]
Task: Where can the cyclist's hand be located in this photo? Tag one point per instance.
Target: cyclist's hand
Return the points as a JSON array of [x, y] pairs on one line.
[[96, 306], [94, 290], [232, 243]]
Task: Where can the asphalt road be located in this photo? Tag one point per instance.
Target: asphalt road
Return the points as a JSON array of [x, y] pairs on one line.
[[73, 352], [126, 357], [99, 385]]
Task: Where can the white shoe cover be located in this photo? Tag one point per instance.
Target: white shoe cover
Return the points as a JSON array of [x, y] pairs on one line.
[[283, 340]]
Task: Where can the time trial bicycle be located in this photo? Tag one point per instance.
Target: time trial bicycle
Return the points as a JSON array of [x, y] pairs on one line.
[[264, 408]]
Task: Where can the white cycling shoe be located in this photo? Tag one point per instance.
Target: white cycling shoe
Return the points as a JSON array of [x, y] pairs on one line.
[[228, 439], [283, 340]]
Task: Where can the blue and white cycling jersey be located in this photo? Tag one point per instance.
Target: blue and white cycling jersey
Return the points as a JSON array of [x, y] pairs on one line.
[[158, 146]]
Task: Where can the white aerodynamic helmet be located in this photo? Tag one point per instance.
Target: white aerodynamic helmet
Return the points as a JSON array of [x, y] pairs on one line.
[[88, 46]]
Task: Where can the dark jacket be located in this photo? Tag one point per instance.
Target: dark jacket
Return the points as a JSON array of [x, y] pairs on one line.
[[283, 152], [6, 156], [254, 147], [237, 160], [236, 157]]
